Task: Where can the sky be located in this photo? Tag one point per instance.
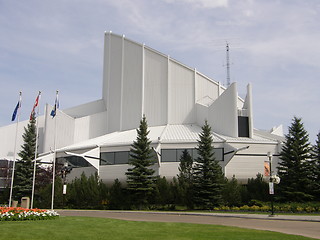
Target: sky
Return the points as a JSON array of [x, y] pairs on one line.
[[50, 45]]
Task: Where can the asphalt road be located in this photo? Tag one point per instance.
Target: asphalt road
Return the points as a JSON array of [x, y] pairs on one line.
[[304, 226]]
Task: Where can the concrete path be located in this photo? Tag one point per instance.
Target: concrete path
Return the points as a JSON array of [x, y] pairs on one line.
[[308, 226]]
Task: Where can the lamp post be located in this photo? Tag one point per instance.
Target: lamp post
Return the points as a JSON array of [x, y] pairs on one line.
[[64, 171], [271, 183]]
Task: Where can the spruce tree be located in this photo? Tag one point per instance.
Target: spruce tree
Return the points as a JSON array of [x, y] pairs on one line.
[[294, 167], [316, 169], [232, 192], [24, 167], [140, 177], [208, 178], [185, 178]]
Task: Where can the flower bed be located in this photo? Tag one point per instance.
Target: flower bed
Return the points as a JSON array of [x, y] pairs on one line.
[[21, 214]]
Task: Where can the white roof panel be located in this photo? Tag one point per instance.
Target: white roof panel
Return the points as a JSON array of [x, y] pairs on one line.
[[188, 133]]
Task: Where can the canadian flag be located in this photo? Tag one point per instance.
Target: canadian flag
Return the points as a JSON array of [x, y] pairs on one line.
[[36, 103]]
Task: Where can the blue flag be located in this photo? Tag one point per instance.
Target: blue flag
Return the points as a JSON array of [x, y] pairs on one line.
[[55, 107], [15, 111]]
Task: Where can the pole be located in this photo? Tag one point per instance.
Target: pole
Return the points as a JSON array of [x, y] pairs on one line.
[[228, 64], [15, 150], [35, 152], [271, 183], [54, 147]]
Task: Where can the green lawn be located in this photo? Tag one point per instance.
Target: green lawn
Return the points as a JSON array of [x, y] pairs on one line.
[[77, 228]]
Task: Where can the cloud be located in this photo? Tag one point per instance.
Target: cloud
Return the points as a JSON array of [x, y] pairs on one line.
[[202, 3], [44, 44]]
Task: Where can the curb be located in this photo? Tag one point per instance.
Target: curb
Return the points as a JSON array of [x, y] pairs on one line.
[[226, 215]]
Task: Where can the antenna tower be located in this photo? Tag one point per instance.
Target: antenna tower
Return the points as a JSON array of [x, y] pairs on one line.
[[228, 64]]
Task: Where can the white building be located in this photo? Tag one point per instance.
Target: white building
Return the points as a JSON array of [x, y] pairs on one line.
[[175, 99]]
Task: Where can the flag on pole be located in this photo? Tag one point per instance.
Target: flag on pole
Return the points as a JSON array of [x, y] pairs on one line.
[[56, 106], [16, 109], [36, 103]]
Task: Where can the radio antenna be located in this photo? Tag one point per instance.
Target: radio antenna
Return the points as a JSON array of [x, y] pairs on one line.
[[228, 64]]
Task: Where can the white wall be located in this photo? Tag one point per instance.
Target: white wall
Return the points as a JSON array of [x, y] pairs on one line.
[[90, 126], [86, 109], [131, 111], [60, 127], [155, 88], [7, 137], [113, 95], [244, 167], [181, 94], [223, 115], [206, 88]]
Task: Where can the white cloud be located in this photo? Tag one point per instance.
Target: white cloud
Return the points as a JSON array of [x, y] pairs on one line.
[[64, 39], [202, 3]]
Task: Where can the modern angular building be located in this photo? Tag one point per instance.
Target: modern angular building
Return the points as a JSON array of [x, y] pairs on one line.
[[176, 100]]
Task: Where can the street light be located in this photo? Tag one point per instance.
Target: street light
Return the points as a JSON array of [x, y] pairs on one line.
[[273, 179], [271, 186], [64, 171]]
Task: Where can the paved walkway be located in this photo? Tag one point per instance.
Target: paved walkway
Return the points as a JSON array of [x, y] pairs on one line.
[[308, 226]]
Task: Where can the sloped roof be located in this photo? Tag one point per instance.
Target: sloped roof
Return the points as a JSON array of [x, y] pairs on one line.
[[187, 133], [183, 133]]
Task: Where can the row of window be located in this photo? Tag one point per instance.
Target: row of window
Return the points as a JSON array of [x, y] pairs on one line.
[[73, 161], [174, 155], [122, 157], [167, 155]]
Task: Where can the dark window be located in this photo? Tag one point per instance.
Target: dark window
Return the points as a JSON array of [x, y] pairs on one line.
[[3, 172], [179, 153], [3, 183], [168, 155], [74, 161], [218, 153], [5, 163], [243, 126], [107, 158], [121, 157], [173, 155]]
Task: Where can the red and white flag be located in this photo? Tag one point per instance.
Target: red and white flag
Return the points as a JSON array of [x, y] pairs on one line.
[[36, 103]]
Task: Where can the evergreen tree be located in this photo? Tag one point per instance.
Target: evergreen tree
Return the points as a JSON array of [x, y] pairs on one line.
[[258, 189], [118, 198], [24, 167], [140, 177], [208, 177], [163, 192], [316, 169], [294, 167], [185, 177], [232, 192]]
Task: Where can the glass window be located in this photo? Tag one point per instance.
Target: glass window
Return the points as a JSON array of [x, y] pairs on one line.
[[180, 151], [121, 157], [168, 155], [3, 183], [107, 158], [218, 153], [5, 163], [3, 172], [195, 154], [74, 161]]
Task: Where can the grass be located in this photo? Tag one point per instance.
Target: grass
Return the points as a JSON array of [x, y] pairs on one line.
[[77, 228]]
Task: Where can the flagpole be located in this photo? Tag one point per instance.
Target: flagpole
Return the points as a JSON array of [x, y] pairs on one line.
[[54, 147], [36, 149], [15, 151]]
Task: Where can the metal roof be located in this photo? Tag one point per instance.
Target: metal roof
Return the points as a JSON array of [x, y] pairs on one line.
[[186, 133]]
